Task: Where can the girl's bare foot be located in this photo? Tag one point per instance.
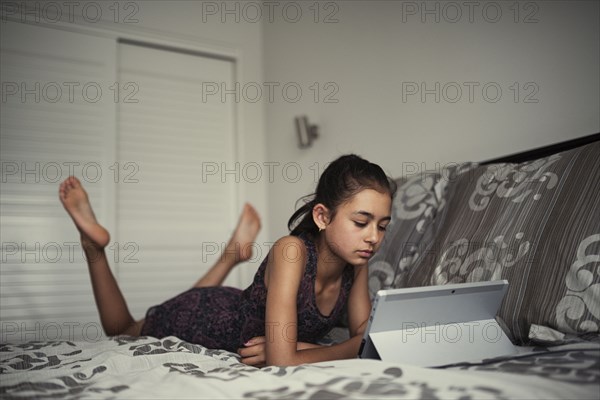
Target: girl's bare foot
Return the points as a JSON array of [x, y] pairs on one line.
[[75, 200], [239, 248], [245, 233]]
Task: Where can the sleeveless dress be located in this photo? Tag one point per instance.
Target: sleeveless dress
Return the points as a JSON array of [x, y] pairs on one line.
[[225, 318]]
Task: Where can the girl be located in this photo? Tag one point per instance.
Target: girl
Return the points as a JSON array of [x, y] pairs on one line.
[[299, 290]]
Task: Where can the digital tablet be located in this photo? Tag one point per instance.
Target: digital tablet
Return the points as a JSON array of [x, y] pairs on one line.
[[437, 325]]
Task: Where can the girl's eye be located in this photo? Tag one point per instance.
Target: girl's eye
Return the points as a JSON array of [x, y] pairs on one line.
[[383, 228], [360, 224]]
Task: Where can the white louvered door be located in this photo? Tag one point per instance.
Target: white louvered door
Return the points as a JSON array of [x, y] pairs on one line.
[[57, 118], [171, 220], [139, 148]]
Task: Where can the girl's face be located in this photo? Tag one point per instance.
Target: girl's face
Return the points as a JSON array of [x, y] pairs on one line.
[[356, 231]]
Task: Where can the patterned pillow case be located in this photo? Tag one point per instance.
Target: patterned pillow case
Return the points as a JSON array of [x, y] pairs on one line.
[[419, 200], [536, 224]]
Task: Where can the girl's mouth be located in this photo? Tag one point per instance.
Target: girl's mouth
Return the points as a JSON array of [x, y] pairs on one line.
[[365, 253]]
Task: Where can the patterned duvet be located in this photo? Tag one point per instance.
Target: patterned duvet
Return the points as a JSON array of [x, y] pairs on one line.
[[141, 368]]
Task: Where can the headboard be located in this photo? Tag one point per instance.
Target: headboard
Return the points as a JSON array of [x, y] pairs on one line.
[[545, 150]]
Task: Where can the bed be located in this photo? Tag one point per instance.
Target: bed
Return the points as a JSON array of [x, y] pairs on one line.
[[142, 368], [552, 309]]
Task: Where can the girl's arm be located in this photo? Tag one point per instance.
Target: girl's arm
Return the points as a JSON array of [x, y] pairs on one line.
[[359, 303], [285, 269], [359, 309], [254, 351]]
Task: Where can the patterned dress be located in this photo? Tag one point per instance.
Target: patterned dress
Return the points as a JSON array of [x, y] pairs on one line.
[[225, 317]]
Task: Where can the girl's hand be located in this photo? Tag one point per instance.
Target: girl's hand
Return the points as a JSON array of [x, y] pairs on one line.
[[254, 352]]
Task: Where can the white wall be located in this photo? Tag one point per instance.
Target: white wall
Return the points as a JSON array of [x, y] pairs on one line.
[[376, 47]]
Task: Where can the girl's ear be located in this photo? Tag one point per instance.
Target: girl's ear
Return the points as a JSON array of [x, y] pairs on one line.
[[320, 215]]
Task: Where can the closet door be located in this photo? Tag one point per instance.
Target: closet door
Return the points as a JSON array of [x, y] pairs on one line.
[[173, 217], [57, 119]]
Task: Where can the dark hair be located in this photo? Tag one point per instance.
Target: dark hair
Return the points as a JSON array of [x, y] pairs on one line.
[[341, 180]]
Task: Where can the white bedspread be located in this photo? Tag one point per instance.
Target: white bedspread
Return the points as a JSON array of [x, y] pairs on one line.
[[143, 368]]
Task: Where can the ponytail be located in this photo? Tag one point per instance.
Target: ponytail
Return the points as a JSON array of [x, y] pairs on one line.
[[304, 214]]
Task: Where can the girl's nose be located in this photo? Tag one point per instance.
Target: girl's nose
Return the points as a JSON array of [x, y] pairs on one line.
[[373, 234]]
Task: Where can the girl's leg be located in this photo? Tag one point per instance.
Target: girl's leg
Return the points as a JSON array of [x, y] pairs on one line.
[[114, 314], [238, 249]]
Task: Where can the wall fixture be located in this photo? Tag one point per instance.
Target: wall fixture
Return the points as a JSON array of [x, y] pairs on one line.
[[306, 132]]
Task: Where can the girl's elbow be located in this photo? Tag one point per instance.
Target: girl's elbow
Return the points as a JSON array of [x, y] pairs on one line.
[[360, 329], [272, 361], [282, 360]]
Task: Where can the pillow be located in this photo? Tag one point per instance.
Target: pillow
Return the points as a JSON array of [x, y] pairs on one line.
[[418, 201], [536, 224]]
